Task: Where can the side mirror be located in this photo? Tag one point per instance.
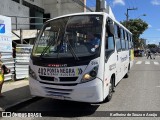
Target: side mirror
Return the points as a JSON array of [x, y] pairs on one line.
[[110, 27]]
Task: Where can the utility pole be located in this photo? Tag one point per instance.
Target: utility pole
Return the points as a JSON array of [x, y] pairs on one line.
[[127, 16], [100, 5]]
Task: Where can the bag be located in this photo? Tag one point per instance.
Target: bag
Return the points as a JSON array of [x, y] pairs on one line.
[[6, 70]]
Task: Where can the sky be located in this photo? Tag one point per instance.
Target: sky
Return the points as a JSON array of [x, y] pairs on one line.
[[151, 8]]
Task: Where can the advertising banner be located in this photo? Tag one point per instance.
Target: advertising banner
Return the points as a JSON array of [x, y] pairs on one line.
[[5, 34]]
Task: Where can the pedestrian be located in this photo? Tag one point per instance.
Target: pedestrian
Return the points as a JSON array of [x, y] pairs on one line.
[[149, 55], [154, 54], [1, 76]]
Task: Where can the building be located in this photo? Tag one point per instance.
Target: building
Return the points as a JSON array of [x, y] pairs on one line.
[[21, 10], [54, 8], [28, 16]]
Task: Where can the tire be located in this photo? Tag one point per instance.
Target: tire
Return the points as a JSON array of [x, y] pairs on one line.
[[111, 90], [127, 74], [113, 84]]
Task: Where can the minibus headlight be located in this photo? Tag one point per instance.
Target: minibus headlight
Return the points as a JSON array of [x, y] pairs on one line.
[[32, 73], [90, 75], [86, 77]]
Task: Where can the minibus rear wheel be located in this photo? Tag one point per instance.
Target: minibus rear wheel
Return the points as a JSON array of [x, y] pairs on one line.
[[127, 74]]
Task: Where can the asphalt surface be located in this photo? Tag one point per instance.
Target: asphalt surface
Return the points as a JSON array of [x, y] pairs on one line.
[[140, 92]]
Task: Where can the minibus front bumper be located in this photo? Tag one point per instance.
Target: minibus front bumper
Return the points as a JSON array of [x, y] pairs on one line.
[[91, 91]]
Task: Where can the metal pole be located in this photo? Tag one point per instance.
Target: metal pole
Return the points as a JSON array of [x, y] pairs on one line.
[[127, 15], [16, 24], [21, 36], [98, 5]]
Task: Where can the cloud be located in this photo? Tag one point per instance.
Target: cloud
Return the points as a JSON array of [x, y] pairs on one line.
[[120, 2], [155, 2], [149, 26]]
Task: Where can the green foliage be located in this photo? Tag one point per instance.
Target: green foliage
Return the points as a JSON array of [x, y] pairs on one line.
[[137, 27], [152, 46]]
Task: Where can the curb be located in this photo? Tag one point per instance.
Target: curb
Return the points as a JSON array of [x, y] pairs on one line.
[[21, 104]]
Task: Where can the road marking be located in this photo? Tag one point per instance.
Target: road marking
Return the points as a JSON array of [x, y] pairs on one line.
[[156, 63], [139, 62], [147, 62], [158, 86]]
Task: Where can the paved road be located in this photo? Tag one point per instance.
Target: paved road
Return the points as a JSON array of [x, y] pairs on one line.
[[139, 92]]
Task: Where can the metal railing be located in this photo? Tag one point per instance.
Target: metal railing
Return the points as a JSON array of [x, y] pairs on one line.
[[19, 21]]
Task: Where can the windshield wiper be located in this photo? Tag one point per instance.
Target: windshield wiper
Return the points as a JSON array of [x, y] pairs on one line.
[[46, 48], [72, 51], [49, 45]]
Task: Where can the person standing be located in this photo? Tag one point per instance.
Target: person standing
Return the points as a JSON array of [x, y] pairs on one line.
[[1, 76], [149, 55]]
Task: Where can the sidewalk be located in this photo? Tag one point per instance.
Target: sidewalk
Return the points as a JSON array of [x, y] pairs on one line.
[[14, 93]]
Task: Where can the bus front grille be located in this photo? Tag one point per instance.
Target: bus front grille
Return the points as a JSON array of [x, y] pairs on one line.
[[57, 91], [59, 84], [62, 79]]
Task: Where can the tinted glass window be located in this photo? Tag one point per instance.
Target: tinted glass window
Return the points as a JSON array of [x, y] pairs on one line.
[[127, 44], [123, 44], [118, 44], [70, 36], [110, 43]]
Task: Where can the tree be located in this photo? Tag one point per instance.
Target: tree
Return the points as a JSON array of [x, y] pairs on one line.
[[151, 46], [142, 43], [137, 27]]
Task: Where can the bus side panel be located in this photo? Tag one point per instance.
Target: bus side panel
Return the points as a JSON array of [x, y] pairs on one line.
[[110, 69], [126, 62], [122, 65]]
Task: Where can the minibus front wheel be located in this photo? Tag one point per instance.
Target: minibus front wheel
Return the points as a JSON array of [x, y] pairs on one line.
[[111, 89]]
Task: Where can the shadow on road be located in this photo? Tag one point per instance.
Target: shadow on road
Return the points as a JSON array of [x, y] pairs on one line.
[[56, 108], [71, 109], [16, 100], [14, 96]]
